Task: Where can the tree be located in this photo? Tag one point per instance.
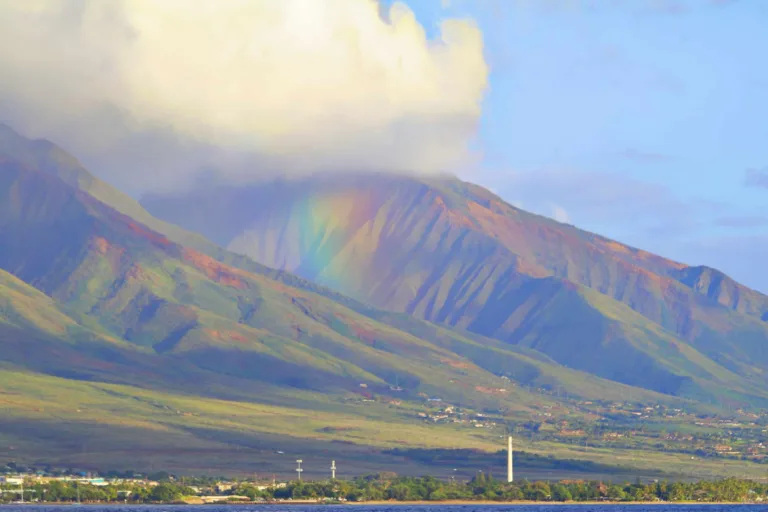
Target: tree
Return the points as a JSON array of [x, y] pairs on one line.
[[561, 493], [512, 493], [250, 491], [438, 495], [401, 492], [165, 493], [615, 492]]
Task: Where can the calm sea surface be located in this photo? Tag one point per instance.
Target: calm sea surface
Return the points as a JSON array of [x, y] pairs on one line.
[[388, 508]]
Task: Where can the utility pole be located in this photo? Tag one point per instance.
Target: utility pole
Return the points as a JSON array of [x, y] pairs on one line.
[[299, 470]]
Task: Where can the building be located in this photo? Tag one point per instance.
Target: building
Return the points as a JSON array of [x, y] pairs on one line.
[[223, 486], [278, 485]]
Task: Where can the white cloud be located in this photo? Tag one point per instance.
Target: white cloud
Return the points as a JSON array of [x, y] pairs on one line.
[[304, 84]]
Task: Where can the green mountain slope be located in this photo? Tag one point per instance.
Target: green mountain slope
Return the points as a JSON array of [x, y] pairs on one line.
[[164, 298], [99, 404], [23, 306]]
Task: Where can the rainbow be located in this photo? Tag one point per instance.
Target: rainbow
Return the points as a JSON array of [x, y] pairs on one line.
[[326, 238], [336, 234]]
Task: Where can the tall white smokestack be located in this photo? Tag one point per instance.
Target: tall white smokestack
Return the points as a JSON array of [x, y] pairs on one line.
[[510, 474]]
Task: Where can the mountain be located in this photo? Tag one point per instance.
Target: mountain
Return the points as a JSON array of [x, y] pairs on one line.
[[155, 294], [46, 157], [109, 270], [128, 342], [99, 313], [453, 253]]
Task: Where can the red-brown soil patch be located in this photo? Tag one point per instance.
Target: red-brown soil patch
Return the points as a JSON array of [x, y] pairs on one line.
[[215, 270]]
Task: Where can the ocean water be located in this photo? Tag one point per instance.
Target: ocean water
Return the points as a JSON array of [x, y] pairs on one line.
[[390, 508]]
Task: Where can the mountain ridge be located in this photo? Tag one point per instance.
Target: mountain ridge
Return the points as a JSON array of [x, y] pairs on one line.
[[456, 254], [484, 205]]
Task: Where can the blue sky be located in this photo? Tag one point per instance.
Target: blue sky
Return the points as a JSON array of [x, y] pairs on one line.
[[646, 121]]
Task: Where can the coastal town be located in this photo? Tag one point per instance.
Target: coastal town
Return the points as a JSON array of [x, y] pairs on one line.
[[35, 486], [737, 435]]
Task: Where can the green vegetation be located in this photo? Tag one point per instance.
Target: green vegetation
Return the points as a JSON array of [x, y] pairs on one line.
[[98, 426], [58, 491], [390, 487], [486, 488]]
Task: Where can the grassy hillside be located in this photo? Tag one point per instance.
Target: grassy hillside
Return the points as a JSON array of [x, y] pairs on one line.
[[22, 306], [94, 425], [78, 419]]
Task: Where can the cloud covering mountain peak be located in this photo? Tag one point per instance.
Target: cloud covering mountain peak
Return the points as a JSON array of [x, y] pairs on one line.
[[299, 84]]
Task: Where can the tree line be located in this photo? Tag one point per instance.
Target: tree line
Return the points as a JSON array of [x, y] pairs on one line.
[[60, 491], [386, 486], [485, 487]]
